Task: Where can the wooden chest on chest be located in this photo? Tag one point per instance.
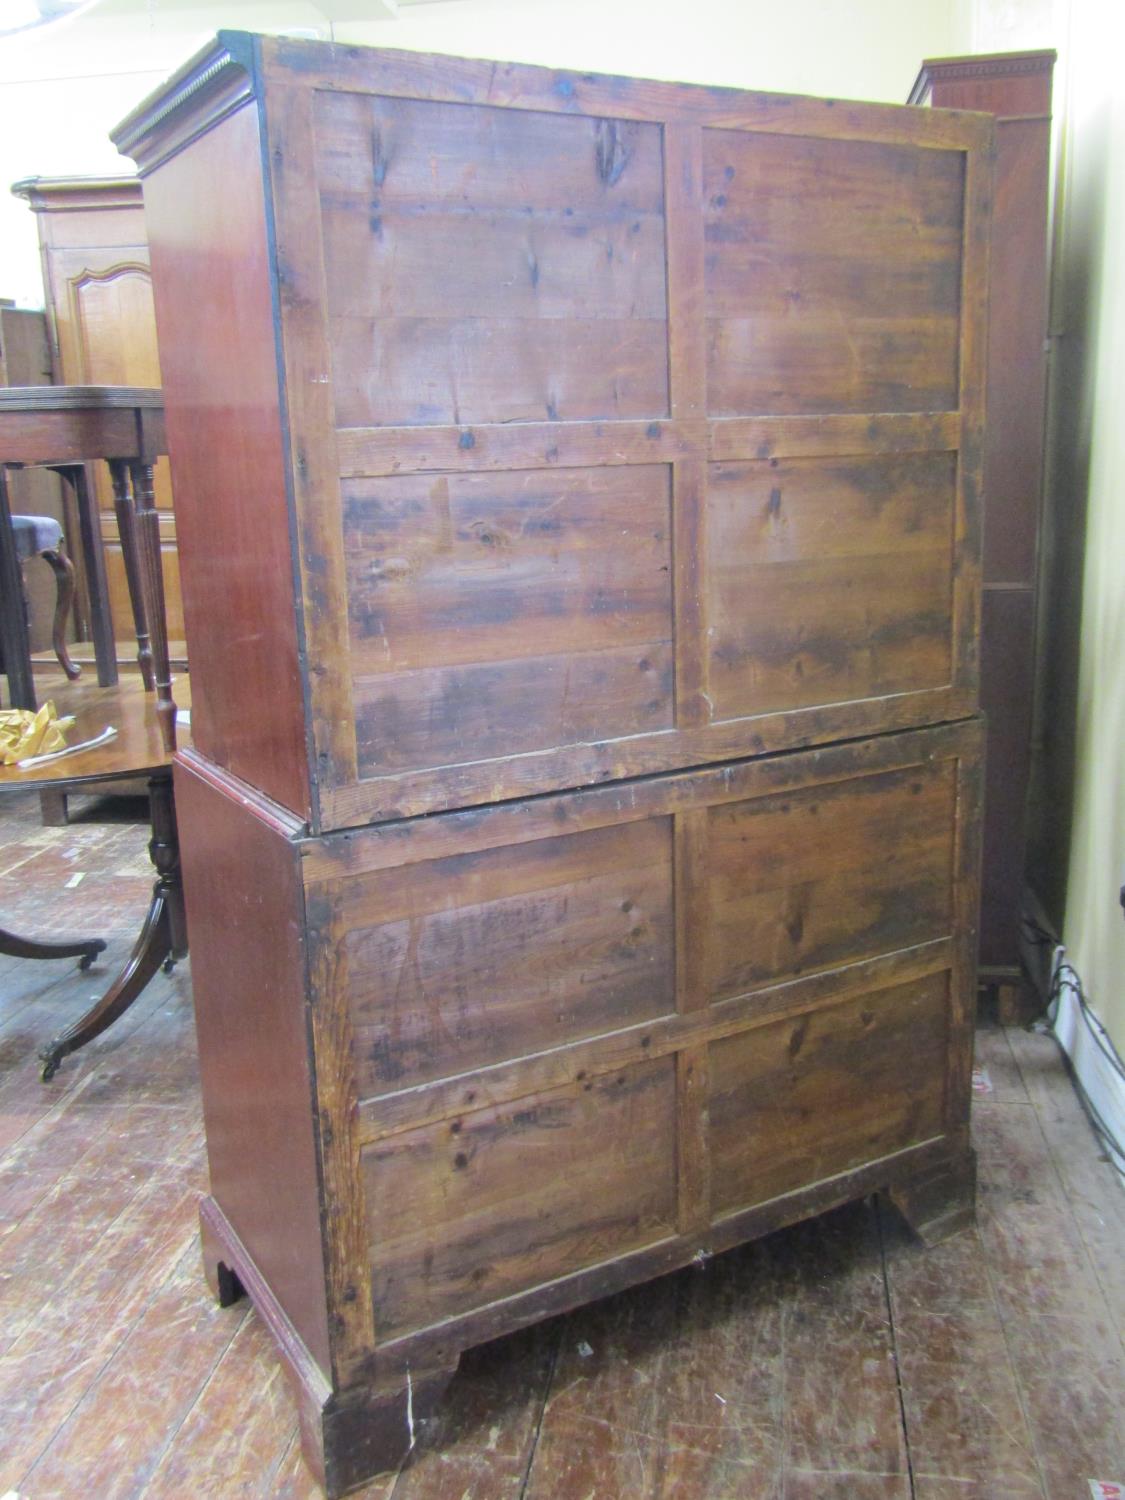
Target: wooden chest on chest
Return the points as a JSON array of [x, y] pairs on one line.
[[577, 491]]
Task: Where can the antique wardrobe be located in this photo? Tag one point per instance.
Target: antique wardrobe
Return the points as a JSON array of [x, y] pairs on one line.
[[1015, 88]]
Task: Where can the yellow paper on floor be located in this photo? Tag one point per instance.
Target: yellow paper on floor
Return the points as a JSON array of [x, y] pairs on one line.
[[24, 732]]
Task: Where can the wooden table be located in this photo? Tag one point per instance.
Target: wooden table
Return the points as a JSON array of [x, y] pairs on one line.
[[63, 428], [139, 750]]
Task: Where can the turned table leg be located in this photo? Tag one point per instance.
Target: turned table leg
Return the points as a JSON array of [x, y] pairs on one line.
[[124, 507], [146, 522]]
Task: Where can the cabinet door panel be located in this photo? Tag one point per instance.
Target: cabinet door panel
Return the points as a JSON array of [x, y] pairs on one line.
[[106, 330]]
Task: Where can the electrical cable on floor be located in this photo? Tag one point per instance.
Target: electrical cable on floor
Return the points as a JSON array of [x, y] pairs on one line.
[[1036, 934], [1065, 976]]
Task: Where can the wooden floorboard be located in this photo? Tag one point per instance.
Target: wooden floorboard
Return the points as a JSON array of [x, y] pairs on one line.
[[836, 1359]]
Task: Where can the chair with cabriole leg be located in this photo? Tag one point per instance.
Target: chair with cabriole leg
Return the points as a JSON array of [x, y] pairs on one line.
[[41, 536]]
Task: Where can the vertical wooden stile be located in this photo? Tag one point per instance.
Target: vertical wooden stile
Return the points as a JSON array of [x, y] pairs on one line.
[[972, 376], [687, 379], [309, 407], [979, 175], [346, 1253], [693, 1087], [962, 978]]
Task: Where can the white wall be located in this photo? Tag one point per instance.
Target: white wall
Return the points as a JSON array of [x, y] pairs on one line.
[[1014, 25], [61, 90], [1087, 484]]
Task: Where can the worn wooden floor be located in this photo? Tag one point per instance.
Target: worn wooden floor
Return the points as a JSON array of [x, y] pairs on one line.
[[837, 1359]]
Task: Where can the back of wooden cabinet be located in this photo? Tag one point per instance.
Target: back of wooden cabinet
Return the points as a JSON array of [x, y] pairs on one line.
[[627, 425], [628, 1022]]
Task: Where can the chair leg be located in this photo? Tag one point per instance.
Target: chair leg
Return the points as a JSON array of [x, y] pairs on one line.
[[15, 648], [63, 569]]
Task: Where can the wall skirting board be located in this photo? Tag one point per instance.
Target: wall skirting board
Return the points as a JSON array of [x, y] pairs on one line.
[[1094, 1064], [1084, 1040]]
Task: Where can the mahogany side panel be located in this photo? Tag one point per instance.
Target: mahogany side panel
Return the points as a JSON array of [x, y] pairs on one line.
[[246, 918], [1017, 361], [212, 282]]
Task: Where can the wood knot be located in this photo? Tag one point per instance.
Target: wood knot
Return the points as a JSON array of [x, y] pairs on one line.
[[611, 151]]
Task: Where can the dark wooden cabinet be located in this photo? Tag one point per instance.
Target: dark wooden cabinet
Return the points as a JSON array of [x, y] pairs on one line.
[[98, 289], [1015, 88], [578, 510]]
